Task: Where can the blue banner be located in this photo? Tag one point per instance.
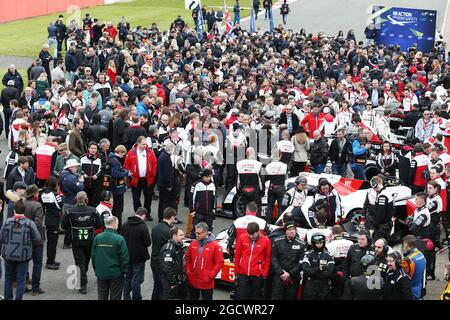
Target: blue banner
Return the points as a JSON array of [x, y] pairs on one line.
[[402, 26]]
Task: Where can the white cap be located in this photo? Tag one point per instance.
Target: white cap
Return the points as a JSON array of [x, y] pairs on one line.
[[10, 83], [428, 94], [71, 163], [326, 110], [182, 86], [168, 69]]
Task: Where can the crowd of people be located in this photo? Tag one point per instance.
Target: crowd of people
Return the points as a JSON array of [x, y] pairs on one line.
[[158, 111]]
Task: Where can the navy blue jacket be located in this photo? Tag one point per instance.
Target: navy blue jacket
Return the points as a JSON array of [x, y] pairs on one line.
[[70, 186], [117, 172], [166, 178]]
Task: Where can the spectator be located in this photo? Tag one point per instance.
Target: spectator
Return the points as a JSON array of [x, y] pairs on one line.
[[318, 152], [137, 237], [22, 172], [110, 261]]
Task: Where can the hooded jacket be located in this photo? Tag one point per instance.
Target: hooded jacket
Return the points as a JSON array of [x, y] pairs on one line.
[[138, 239], [204, 260]]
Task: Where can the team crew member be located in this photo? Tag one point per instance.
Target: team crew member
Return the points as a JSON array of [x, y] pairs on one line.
[[352, 266], [287, 255], [419, 222], [383, 211], [160, 236], [201, 275], [81, 222], [91, 165], [295, 197], [203, 199], [318, 268], [435, 176], [250, 183], [381, 249], [419, 164], [325, 191], [239, 226], [253, 253], [276, 172], [367, 286], [398, 283], [338, 248], [320, 219], [45, 161], [386, 161], [51, 200], [104, 208], [414, 263], [171, 260], [142, 164]]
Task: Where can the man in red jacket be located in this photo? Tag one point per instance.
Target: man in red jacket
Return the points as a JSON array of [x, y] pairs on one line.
[[252, 263], [142, 163], [204, 260], [314, 120], [45, 161]]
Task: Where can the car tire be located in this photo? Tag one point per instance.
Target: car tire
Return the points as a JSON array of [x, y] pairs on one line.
[[238, 208], [354, 217]]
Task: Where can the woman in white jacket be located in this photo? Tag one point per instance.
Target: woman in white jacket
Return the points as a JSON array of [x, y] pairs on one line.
[[301, 147]]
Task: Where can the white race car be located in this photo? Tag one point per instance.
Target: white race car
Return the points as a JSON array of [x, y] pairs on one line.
[[352, 192]]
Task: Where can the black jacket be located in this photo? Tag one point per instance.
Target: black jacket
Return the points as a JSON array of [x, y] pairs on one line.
[[160, 236], [138, 239], [81, 222], [411, 119], [171, 262], [397, 285], [319, 151], [16, 77], [118, 129], [343, 156], [131, 134], [352, 264], [97, 132], [15, 176], [166, 176], [295, 121], [288, 256], [8, 93]]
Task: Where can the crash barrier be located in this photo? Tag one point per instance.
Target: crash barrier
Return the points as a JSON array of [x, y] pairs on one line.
[[21, 9]]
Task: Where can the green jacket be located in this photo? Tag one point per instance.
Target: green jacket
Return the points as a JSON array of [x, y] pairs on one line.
[[109, 255], [61, 162]]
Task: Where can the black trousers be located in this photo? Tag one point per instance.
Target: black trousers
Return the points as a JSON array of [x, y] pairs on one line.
[[275, 193], [157, 293], [194, 294], [207, 218], [110, 289], [82, 256], [296, 168], [117, 209], [231, 178], [316, 290], [148, 194], [382, 231], [284, 291], [52, 242], [7, 112], [168, 199], [249, 288]]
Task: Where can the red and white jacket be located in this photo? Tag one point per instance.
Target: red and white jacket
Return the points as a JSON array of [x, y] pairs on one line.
[[252, 258], [131, 164], [419, 163], [240, 224], [443, 193], [45, 161], [203, 263]]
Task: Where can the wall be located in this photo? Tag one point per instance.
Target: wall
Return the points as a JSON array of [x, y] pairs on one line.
[[21, 9]]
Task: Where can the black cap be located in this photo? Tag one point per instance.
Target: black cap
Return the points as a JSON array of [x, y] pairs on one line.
[[300, 129]]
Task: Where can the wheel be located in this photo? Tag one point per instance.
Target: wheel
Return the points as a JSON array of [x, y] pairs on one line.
[[354, 217], [238, 207], [371, 171]]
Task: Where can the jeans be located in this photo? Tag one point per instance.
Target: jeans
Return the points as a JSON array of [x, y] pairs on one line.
[[284, 19], [237, 18], [133, 280], [38, 256], [53, 42], [157, 282], [194, 294], [18, 271], [339, 169], [249, 288], [319, 168], [7, 112], [110, 289], [358, 171]]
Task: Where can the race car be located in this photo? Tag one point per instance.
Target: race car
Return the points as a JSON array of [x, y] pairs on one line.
[[352, 192]]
